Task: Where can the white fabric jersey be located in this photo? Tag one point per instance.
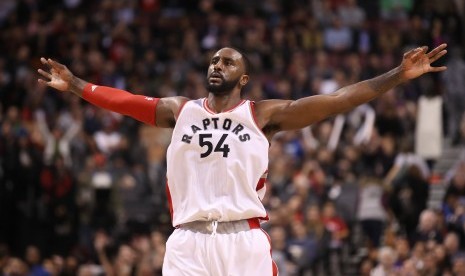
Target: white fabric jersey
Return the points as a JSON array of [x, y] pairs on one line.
[[217, 164]]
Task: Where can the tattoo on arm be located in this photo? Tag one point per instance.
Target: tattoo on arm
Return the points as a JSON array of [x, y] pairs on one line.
[[384, 82]]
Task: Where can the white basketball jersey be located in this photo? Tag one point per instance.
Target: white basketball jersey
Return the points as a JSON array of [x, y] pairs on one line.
[[217, 164]]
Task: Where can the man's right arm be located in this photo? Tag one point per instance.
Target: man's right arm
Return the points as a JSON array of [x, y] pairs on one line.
[[152, 111]]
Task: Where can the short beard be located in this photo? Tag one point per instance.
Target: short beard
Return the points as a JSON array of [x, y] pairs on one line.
[[221, 89]]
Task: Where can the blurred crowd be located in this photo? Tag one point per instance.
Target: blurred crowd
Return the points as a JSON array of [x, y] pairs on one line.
[[82, 189]]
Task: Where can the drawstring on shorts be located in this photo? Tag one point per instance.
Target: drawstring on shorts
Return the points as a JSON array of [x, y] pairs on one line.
[[214, 224], [214, 227]]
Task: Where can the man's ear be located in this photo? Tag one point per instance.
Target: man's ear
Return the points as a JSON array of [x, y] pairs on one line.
[[244, 80]]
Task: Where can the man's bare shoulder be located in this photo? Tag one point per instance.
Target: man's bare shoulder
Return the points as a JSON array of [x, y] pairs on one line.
[[175, 101], [168, 109], [265, 110], [271, 104]]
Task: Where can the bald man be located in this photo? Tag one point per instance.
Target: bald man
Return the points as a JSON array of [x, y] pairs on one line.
[[218, 157]]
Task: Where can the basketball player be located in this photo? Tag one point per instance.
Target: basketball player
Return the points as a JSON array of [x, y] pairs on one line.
[[218, 157]]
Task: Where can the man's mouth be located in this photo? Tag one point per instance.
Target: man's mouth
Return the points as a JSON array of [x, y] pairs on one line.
[[216, 75]]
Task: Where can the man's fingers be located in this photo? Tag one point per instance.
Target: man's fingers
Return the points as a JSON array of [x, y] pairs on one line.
[[45, 74], [438, 69], [50, 62], [56, 64], [437, 50], [410, 53], [437, 56], [417, 54], [43, 82]]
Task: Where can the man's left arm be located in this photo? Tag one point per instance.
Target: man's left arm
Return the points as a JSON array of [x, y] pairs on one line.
[[286, 115]]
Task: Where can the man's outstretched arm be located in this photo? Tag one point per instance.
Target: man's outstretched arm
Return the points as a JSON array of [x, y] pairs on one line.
[[285, 115], [153, 111]]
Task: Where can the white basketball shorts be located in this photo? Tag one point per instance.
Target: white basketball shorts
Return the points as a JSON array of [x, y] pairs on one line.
[[239, 248]]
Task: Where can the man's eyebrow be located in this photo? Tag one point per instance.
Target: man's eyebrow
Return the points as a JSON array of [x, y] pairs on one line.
[[229, 59]]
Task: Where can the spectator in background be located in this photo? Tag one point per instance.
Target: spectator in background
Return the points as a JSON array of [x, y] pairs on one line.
[[158, 248], [317, 231], [108, 139], [351, 14], [462, 130], [58, 186], [454, 84], [456, 181], [371, 212], [102, 182], [311, 179], [162, 56], [302, 249], [57, 141], [23, 157], [323, 12], [442, 260], [404, 159], [389, 40], [339, 233], [337, 37], [278, 236], [366, 267], [394, 10], [452, 247], [458, 267], [386, 259], [16, 266], [409, 268], [409, 197], [428, 130], [458, 166], [403, 249], [388, 121], [34, 260], [454, 213], [428, 228], [131, 192]]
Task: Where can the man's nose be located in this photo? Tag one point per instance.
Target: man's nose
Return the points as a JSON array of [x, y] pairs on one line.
[[218, 66]]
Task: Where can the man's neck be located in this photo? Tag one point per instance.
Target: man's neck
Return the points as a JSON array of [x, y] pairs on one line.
[[221, 103]]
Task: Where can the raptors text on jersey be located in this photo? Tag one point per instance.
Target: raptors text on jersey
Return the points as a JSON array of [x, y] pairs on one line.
[[217, 164]]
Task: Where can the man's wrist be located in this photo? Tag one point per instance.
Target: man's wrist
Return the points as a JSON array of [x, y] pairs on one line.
[[77, 85], [400, 74]]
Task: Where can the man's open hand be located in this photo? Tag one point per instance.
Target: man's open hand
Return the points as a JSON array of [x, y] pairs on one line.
[[58, 77], [417, 62]]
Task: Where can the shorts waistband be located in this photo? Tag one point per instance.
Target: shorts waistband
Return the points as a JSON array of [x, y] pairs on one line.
[[223, 227]]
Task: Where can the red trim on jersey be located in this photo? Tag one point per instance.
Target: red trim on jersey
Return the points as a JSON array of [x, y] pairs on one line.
[[261, 183], [180, 109], [170, 203], [139, 107], [254, 117], [254, 223], [275, 268], [273, 264], [205, 105]]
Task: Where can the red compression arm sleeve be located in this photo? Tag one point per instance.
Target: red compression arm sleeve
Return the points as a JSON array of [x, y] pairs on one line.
[[139, 107]]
